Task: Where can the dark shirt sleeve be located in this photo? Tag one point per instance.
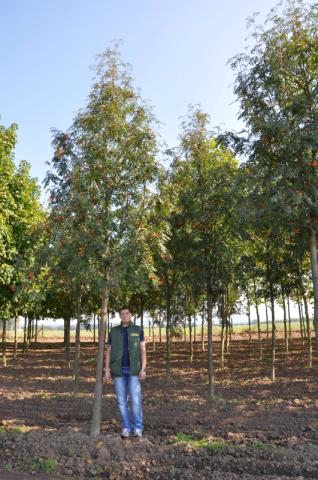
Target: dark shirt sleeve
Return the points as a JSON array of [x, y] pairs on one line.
[[142, 335], [109, 339]]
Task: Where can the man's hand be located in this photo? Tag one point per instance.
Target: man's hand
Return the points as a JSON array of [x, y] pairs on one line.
[[142, 375], [107, 376]]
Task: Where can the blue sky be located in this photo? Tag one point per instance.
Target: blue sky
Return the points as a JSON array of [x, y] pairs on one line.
[[178, 50]]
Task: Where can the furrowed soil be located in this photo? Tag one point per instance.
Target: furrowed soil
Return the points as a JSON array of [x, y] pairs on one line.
[[255, 429]]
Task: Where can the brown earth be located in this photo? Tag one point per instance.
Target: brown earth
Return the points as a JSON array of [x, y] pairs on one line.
[[255, 429]]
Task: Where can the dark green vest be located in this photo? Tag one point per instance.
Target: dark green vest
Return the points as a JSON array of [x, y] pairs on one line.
[[117, 349]]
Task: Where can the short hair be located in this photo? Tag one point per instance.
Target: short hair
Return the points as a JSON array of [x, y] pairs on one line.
[[124, 307]]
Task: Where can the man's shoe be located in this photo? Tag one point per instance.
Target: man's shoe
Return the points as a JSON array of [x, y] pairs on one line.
[[137, 432], [125, 433]]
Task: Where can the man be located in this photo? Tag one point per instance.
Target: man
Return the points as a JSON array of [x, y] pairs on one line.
[[126, 363]]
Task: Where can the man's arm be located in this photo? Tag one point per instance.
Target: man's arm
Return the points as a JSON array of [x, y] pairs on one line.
[[143, 354]]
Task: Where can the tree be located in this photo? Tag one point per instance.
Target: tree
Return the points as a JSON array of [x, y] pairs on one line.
[[204, 176], [111, 149], [277, 92], [21, 212]]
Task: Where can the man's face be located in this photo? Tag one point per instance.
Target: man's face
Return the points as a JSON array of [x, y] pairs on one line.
[[125, 315]]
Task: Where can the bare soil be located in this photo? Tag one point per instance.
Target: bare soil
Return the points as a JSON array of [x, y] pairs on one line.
[[256, 429]]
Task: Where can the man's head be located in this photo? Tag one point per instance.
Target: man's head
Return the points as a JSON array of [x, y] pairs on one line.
[[125, 314]]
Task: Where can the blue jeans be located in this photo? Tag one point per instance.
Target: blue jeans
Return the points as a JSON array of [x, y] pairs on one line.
[[129, 385]]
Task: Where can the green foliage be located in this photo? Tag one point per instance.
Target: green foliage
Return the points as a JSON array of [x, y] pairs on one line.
[[212, 446], [204, 177], [103, 172], [47, 465], [257, 445], [166, 239], [275, 85], [21, 214]]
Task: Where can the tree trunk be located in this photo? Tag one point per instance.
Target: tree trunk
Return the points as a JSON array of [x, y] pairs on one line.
[[308, 329], [222, 341], [228, 334], [202, 330], [267, 325], [222, 344], [249, 316], [15, 352], [225, 327], [32, 329], [94, 326], [227, 319], [190, 339], [314, 271], [36, 330], [168, 313], [67, 340], [4, 342], [258, 322], [153, 335], [289, 319], [285, 322], [211, 395], [303, 319], [273, 374], [64, 339], [97, 406], [24, 334], [300, 319], [29, 332], [76, 366]]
